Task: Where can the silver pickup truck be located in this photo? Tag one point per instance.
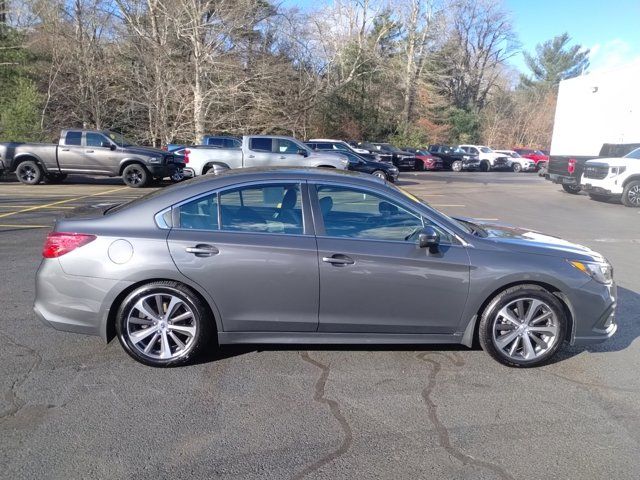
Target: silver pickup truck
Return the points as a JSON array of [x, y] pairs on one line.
[[86, 152], [257, 151]]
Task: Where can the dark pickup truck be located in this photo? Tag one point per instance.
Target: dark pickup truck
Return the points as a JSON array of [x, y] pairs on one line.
[[567, 170], [454, 158], [87, 152]]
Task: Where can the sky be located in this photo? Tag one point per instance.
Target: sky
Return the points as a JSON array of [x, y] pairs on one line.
[[609, 28]]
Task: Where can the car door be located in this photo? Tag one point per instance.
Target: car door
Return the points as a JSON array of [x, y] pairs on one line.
[[71, 154], [260, 152], [286, 153], [253, 249], [373, 277], [98, 155]]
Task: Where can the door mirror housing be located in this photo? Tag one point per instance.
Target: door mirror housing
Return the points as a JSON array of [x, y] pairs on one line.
[[303, 152], [429, 238]]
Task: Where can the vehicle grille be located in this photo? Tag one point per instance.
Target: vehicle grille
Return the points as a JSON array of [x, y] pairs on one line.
[[597, 172]]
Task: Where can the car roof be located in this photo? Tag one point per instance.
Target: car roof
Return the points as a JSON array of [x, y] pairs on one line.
[[325, 140]]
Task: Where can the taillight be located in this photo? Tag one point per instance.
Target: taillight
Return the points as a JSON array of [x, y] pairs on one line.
[[186, 155], [60, 243], [571, 166]]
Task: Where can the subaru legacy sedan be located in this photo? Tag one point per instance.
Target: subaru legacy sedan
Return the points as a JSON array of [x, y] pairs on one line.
[[315, 256]]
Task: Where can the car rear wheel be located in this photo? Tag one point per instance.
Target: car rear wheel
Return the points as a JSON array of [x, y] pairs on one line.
[[380, 174], [572, 189], [516, 167], [485, 166], [136, 176], [29, 172], [524, 326], [631, 194], [163, 324], [456, 166]]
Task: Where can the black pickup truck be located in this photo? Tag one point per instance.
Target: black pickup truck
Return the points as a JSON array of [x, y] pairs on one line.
[[567, 170], [454, 158], [88, 152]]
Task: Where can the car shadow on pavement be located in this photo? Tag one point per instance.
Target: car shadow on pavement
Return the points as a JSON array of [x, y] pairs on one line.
[[627, 317]]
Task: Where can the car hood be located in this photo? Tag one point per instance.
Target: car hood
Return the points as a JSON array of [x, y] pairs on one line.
[[146, 151], [328, 154], [525, 240]]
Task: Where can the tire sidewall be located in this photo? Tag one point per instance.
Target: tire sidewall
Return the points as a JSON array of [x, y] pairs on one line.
[[625, 194], [456, 166], [191, 300], [517, 168], [39, 174], [144, 174], [489, 316], [377, 174]]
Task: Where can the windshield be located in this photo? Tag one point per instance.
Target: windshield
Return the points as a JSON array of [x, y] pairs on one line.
[[119, 139], [485, 150], [633, 154]]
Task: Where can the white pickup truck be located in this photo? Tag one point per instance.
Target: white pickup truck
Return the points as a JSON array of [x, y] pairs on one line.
[[618, 177], [257, 151], [489, 158]]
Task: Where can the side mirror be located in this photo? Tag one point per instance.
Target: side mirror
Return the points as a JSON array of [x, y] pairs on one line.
[[429, 238], [303, 152], [108, 145]]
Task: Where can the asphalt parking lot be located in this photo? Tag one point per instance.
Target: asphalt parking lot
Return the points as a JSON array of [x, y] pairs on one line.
[[73, 407]]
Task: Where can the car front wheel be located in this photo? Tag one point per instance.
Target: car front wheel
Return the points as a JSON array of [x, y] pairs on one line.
[[136, 176], [163, 324], [380, 174], [516, 167], [631, 194], [456, 166], [524, 326]]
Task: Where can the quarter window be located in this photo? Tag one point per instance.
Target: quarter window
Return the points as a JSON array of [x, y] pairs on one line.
[[200, 214], [265, 208], [73, 138], [354, 213]]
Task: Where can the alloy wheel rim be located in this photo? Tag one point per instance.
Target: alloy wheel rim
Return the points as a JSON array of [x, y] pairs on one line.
[[525, 329], [379, 175], [134, 176], [161, 326], [634, 195], [28, 173]]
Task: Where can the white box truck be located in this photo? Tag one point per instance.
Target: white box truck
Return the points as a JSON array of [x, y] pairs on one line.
[[597, 116]]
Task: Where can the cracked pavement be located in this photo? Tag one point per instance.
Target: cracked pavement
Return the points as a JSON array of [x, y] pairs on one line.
[[73, 407]]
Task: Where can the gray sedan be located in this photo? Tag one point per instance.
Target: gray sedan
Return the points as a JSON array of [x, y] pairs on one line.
[[259, 256]]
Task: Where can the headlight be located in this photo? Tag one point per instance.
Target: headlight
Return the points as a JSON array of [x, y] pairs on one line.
[[601, 272], [155, 160], [617, 170]]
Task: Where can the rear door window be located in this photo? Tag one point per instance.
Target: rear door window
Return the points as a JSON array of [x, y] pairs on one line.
[[73, 138], [260, 144], [200, 214]]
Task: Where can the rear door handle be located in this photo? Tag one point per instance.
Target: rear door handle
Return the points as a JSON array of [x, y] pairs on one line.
[[65, 149], [252, 156], [338, 259], [203, 250]]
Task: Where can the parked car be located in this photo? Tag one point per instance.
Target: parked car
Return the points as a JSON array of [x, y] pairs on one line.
[[383, 170], [454, 158], [400, 158], [567, 170], [339, 146], [315, 256], [616, 177], [540, 158], [424, 160], [89, 152], [382, 155], [516, 162], [488, 158], [257, 151]]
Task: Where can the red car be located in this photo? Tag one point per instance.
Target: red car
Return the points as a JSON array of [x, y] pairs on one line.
[[536, 155], [424, 160]]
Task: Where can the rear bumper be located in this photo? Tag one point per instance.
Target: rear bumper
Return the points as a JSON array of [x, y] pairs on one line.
[[562, 179], [73, 303]]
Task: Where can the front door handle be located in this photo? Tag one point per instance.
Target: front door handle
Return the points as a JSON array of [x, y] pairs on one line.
[[252, 156], [338, 259], [64, 149], [203, 250]]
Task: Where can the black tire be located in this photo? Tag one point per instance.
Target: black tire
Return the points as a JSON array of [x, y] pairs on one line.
[[516, 167], [490, 317], [631, 194], [456, 165], [379, 174], [599, 198], [55, 178], [485, 166], [29, 172], [419, 166], [572, 189], [136, 176], [204, 326]]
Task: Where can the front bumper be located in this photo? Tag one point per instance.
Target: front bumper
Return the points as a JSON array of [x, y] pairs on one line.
[[405, 162], [593, 309], [471, 164], [163, 171], [600, 187]]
